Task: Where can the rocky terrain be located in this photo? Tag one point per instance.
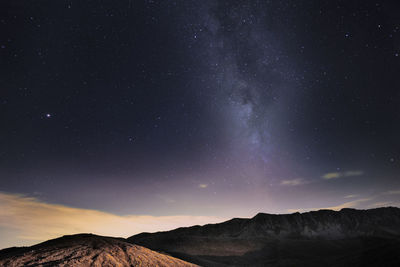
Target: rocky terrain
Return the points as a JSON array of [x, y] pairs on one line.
[[319, 238], [86, 250]]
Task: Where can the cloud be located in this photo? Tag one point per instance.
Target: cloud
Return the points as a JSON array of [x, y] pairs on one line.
[[334, 175], [331, 175], [392, 192], [380, 204], [378, 200], [351, 196], [350, 204], [294, 182], [166, 199], [353, 173], [27, 220], [203, 185]]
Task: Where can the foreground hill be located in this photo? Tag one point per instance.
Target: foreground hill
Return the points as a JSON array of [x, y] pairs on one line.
[[86, 250], [319, 238]]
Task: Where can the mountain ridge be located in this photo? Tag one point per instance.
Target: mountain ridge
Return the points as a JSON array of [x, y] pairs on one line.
[[348, 237], [310, 214], [282, 239]]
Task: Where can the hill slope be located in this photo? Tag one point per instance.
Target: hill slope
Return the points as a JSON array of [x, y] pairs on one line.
[[345, 238], [321, 238], [86, 250]]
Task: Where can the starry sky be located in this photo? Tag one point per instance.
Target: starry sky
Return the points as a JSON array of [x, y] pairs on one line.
[[196, 110]]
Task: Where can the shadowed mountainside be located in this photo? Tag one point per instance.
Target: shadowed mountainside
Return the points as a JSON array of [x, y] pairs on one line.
[[86, 250], [319, 238]]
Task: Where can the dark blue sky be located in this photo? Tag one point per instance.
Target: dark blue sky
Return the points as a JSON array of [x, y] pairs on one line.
[[201, 107]]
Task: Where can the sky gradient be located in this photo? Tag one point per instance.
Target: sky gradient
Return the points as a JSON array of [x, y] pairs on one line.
[[194, 110]]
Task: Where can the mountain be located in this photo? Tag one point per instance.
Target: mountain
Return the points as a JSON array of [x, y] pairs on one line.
[[347, 237], [86, 250]]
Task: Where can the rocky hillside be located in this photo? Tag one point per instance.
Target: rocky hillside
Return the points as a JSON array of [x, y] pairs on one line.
[[320, 238], [345, 238], [86, 250]]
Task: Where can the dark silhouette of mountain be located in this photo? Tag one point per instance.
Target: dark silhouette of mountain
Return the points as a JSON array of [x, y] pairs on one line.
[[86, 250], [319, 238], [347, 237]]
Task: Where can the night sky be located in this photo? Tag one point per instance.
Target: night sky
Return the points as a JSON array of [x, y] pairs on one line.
[[199, 108]]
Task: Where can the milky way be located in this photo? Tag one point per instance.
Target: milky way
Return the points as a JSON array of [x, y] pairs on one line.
[[205, 108]]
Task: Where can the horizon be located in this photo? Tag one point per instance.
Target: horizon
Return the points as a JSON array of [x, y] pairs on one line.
[[49, 231], [148, 115], [170, 227]]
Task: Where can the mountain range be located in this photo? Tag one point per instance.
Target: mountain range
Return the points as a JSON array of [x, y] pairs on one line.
[[347, 237]]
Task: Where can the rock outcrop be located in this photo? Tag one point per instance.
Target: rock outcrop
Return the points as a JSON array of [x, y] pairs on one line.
[[86, 250]]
